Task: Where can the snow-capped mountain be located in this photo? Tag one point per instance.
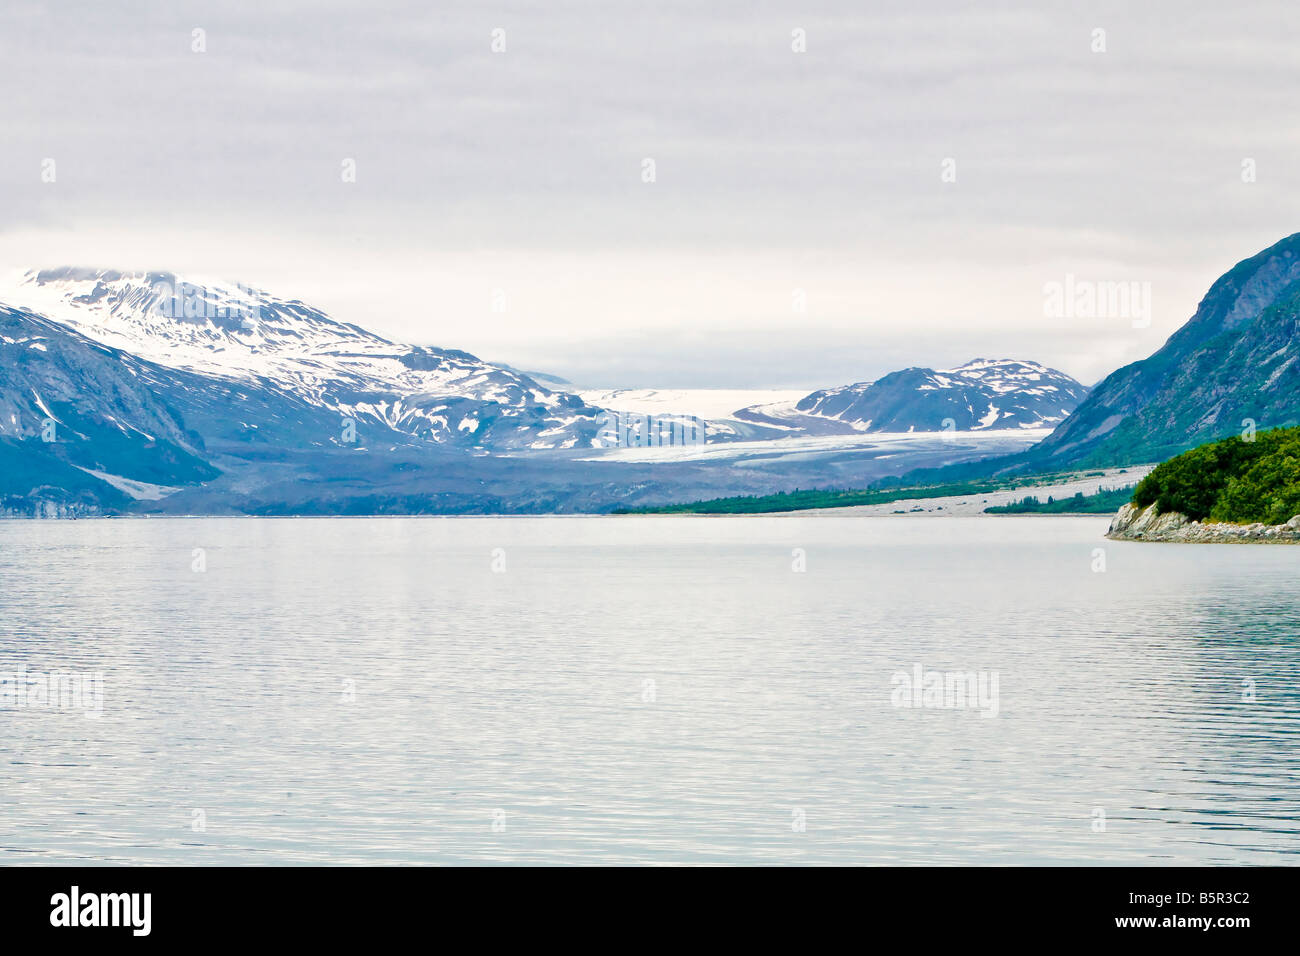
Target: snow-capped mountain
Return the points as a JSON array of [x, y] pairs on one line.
[[154, 393], [243, 335], [982, 394]]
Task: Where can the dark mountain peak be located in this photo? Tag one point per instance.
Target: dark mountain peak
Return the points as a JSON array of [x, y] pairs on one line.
[[1244, 291]]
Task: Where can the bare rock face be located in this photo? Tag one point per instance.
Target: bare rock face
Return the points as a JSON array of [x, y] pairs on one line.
[[1123, 520], [1121, 525], [1132, 523]]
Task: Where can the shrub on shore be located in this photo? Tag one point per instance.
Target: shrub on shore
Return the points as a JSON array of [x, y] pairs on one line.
[[1233, 480]]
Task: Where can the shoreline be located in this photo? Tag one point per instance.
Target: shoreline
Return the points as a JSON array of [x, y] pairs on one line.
[[821, 512], [1146, 525]]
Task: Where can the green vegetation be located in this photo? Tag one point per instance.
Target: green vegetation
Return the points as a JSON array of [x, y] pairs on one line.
[[882, 493], [1105, 501], [1233, 480]]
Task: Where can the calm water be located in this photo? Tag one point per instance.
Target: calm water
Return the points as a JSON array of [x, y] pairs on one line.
[[646, 690]]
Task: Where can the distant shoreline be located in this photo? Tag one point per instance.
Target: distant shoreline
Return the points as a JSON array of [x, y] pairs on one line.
[[939, 506], [972, 501], [967, 505]]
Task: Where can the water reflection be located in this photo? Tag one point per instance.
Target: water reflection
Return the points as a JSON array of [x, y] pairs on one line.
[[637, 690]]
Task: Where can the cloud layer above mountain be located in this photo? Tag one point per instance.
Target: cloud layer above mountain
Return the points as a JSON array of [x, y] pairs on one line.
[[799, 231]]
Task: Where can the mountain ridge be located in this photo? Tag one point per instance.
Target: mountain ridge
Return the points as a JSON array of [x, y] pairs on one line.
[[174, 395], [1207, 378], [416, 393]]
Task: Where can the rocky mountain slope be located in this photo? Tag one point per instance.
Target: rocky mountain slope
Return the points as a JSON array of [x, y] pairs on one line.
[[1233, 363], [73, 411]]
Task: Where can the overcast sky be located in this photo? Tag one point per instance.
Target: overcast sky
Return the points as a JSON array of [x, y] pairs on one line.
[[798, 232]]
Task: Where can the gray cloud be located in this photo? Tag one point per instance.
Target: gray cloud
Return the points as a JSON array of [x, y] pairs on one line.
[[775, 170]]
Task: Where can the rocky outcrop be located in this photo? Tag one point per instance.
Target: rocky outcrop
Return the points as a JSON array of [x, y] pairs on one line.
[[1132, 523]]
